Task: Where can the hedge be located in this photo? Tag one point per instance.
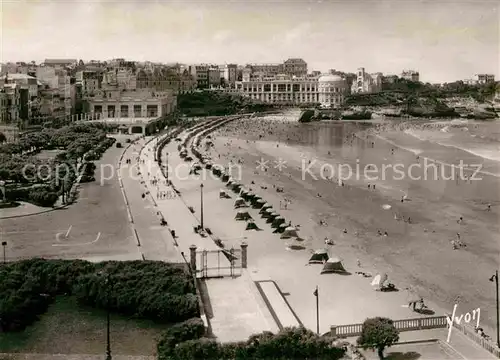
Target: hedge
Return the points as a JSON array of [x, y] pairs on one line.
[[290, 343], [151, 290]]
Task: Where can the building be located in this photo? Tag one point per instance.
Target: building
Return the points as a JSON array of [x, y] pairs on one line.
[[61, 63], [200, 75], [332, 91], [283, 89], [166, 79], [295, 67], [10, 101], [90, 81], [265, 69], [214, 78], [484, 78], [366, 83], [143, 103], [411, 75], [24, 82], [228, 74]]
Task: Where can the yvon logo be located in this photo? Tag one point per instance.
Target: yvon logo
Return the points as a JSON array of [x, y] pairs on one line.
[[467, 318]]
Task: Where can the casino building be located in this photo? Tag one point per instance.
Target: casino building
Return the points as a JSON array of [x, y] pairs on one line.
[[327, 90]]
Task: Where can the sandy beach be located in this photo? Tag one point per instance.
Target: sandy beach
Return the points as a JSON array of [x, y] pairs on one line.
[[417, 253]]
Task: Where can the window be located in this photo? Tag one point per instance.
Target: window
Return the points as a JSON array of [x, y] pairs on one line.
[[281, 87], [98, 108], [137, 111], [124, 111], [111, 111], [152, 110]]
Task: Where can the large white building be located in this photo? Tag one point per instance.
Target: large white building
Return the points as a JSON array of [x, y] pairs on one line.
[[327, 90]]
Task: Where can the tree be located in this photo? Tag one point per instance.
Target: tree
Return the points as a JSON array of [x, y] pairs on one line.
[[3, 138], [378, 333]]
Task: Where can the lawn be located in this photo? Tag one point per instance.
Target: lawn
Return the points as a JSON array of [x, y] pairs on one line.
[[67, 328]]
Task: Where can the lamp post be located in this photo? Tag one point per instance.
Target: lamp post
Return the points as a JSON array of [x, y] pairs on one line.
[[201, 198], [316, 293], [494, 278], [107, 281], [4, 244], [166, 169]]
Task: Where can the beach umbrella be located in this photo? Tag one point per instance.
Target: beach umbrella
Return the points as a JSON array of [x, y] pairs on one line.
[[243, 192], [259, 203], [229, 183], [319, 256], [223, 194], [243, 215], [333, 265], [379, 280], [290, 232], [236, 187], [277, 221]]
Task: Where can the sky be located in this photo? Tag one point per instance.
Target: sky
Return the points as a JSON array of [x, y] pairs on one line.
[[444, 40]]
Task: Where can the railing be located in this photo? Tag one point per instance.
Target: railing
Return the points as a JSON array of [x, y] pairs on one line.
[[434, 322], [481, 341]]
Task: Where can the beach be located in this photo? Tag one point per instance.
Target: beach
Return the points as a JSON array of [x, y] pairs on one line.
[[311, 161]]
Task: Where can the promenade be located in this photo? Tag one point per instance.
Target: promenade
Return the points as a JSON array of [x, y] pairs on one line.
[[236, 309]]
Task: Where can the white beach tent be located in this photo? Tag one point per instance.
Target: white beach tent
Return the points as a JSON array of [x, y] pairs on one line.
[[379, 281], [333, 265]]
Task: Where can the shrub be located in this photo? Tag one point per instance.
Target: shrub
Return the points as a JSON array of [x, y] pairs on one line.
[[191, 329], [28, 287], [290, 343], [378, 333]]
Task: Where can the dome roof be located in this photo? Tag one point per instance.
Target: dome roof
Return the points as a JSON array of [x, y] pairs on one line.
[[330, 78]]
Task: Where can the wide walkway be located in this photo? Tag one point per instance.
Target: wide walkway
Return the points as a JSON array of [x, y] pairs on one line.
[[154, 241], [237, 309]]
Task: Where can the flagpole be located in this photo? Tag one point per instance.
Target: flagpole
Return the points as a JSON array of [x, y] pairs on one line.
[[317, 310]]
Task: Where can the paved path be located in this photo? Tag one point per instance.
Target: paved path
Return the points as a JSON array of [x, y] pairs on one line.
[[237, 308], [70, 357], [156, 243]]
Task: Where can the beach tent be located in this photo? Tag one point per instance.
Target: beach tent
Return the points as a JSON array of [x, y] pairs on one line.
[[255, 200], [333, 265], [216, 171], [281, 228], [229, 183], [277, 221], [223, 194], [252, 226], [264, 208], [208, 165], [290, 232], [243, 192], [243, 215], [319, 256], [188, 158], [225, 177], [379, 281], [236, 187], [196, 166], [267, 213], [259, 203], [272, 216], [296, 244], [239, 203]]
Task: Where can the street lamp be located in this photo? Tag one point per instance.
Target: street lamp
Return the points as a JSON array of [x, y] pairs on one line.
[[4, 244], [201, 198], [166, 170], [494, 278], [107, 281]]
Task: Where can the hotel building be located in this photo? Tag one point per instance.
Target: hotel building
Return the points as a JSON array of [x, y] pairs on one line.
[[327, 90]]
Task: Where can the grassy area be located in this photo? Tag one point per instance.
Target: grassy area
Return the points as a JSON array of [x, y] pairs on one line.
[[68, 328]]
